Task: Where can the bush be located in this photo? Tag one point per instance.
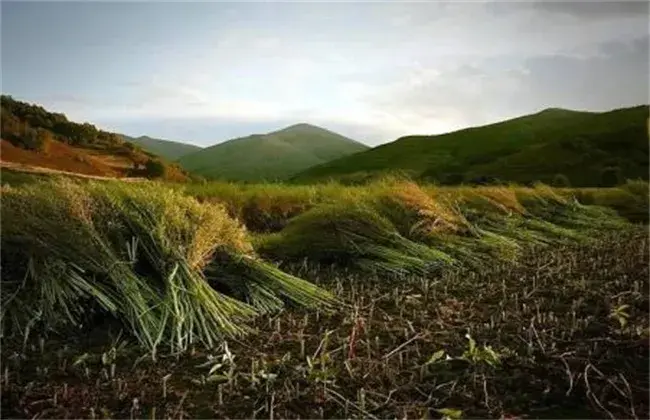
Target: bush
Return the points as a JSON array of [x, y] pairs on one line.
[[561, 180], [155, 169], [36, 139], [44, 141], [611, 177]]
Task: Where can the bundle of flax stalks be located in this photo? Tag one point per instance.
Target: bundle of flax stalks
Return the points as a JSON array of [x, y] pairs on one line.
[[407, 229], [351, 235], [138, 253]]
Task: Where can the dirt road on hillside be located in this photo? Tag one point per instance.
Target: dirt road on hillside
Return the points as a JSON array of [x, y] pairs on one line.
[[48, 171]]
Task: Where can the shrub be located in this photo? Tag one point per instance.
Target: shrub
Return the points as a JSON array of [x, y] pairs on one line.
[[155, 169], [561, 180], [611, 177], [45, 140]]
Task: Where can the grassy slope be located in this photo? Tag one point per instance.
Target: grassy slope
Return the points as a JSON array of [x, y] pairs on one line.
[[171, 150], [272, 156], [531, 148]]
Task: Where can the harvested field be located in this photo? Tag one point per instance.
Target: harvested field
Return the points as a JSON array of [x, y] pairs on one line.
[[392, 300]]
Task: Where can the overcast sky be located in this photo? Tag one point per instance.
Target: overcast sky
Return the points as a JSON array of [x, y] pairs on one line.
[[205, 72]]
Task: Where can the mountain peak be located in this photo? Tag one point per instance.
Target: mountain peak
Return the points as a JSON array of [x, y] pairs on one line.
[[302, 126], [272, 156], [555, 109], [561, 111]]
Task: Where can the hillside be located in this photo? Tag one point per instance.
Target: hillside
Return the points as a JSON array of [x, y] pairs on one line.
[[272, 156], [33, 137], [583, 148], [171, 150]]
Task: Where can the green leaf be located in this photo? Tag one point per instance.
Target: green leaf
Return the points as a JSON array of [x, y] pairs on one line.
[[440, 354], [268, 376], [493, 358], [214, 368], [450, 413], [472, 344], [216, 378], [81, 359]]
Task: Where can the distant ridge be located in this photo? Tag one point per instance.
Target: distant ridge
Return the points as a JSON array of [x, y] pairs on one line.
[[168, 149]]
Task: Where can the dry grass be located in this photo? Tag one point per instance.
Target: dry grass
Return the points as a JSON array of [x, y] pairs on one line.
[[422, 213], [268, 207], [458, 226], [136, 252]]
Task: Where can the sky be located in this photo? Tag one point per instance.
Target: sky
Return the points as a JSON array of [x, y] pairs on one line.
[[205, 72]]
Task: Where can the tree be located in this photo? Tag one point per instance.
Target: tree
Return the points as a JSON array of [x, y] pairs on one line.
[[155, 169], [44, 140], [611, 177], [30, 139], [12, 129], [561, 180]]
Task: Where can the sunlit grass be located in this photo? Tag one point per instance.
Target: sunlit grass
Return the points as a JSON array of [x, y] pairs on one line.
[[137, 252]]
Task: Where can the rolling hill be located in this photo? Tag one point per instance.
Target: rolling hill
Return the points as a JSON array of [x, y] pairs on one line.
[[575, 147], [273, 156], [172, 150], [35, 139]]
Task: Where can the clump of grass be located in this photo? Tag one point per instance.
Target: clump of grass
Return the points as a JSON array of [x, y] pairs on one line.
[[418, 214], [547, 204], [500, 221], [146, 253], [177, 236], [630, 200], [137, 252], [263, 285], [51, 225], [350, 235], [472, 226], [265, 208]]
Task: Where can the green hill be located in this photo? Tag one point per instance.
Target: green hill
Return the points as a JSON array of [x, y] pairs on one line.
[[273, 156], [583, 148], [171, 150]]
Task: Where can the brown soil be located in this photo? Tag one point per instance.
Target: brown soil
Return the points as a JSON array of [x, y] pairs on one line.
[[66, 159], [59, 156]]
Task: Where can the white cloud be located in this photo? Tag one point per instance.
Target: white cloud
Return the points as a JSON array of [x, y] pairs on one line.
[[174, 107], [399, 69]]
